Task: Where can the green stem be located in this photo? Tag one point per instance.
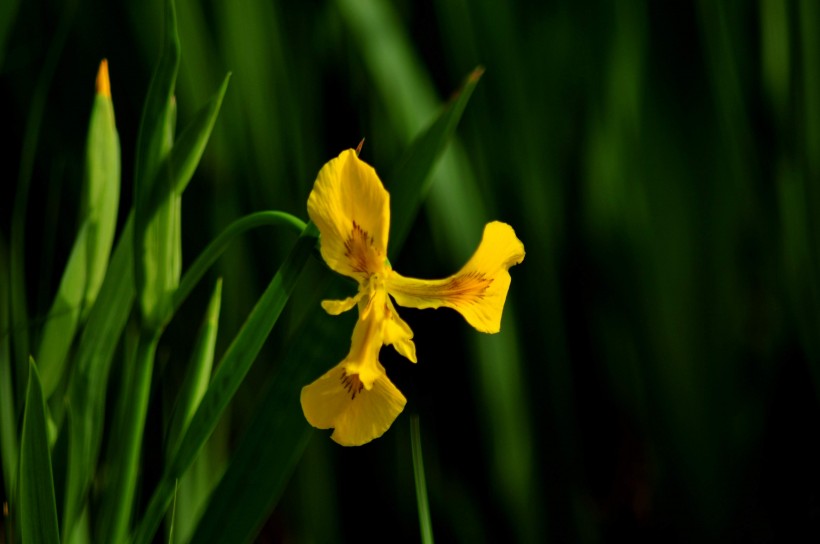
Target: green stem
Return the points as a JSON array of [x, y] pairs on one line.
[[421, 484], [135, 410], [229, 374], [221, 243]]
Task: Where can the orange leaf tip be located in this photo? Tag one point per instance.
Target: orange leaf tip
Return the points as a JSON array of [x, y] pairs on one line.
[[103, 84]]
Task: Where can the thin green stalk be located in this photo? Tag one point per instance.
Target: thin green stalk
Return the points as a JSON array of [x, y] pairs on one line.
[[425, 524], [8, 420], [17, 250], [215, 249], [133, 425], [232, 369]]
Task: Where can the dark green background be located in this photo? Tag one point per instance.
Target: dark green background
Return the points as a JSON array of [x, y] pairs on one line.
[[657, 371]]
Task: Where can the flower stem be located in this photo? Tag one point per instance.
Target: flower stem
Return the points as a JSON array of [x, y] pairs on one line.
[[215, 249], [421, 484]]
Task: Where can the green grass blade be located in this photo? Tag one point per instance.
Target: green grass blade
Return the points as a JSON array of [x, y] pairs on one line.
[[89, 379], [425, 524], [64, 316], [85, 270], [198, 374], [118, 500], [157, 252], [188, 148], [260, 468], [229, 375], [17, 252], [189, 495], [277, 436], [219, 244], [8, 412], [38, 507], [101, 186], [410, 182], [8, 14], [193, 488]]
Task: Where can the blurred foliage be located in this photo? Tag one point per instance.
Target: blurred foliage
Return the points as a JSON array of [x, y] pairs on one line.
[[657, 372]]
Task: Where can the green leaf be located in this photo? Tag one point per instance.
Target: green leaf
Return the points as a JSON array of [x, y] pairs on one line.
[[126, 441], [261, 467], [17, 251], [157, 251], [105, 325], [88, 260], [219, 244], [85, 402], [8, 412], [192, 489], [229, 375], [277, 436], [410, 181], [38, 508], [198, 374], [425, 524], [101, 187], [64, 315], [188, 148]]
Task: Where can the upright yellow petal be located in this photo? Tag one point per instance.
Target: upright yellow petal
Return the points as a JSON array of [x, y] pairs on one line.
[[478, 291], [351, 209]]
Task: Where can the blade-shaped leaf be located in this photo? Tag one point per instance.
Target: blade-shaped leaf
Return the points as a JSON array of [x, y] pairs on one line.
[[410, 181], [101, 187], [157, 251], [193, 486], [8, 412], [126, 442], [86, 393], [229, 375], [64, 315], [38, 507], [198, 374]]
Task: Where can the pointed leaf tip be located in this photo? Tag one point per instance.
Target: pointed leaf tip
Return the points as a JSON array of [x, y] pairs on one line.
[[103, 83], [476, 74]]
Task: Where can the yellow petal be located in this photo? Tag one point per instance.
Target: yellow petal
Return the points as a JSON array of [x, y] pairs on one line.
[[478, 291], [351, 209], [398, 333], [338, 400], [336, 307], [363, 358]]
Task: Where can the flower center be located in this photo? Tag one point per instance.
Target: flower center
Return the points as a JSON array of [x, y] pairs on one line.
[[352, 384]]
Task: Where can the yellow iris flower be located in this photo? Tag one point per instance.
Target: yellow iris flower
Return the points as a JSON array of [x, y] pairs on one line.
[[351, 209]]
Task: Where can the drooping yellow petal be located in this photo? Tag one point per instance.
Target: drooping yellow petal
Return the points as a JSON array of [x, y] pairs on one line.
[[326, 398], [478, 291], [340, 401], [351, 209], [398, 333], [370, 414]]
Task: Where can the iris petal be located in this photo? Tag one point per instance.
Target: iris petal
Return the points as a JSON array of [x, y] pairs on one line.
[[398, 333], [351, 209], [336, 307], [477, 291], [358, 415]]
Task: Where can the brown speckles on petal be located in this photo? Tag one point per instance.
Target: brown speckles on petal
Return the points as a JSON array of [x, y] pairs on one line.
[[352, 384], [360, 250]]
